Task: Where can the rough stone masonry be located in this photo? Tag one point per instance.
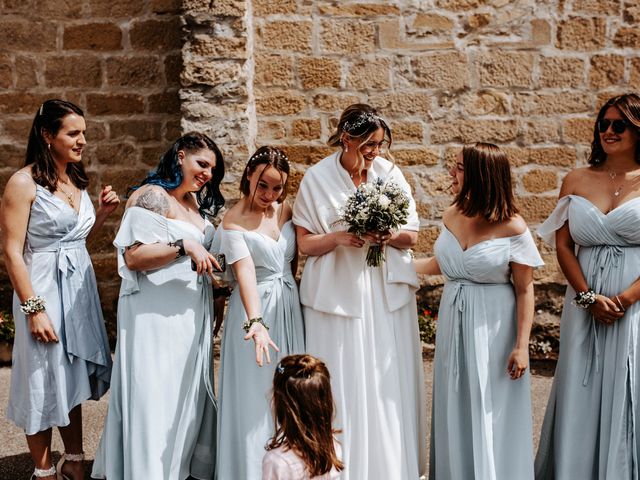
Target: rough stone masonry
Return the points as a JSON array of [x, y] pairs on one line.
[[527, 75]]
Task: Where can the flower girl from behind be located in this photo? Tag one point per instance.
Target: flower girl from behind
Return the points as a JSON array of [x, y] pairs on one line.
[[303, 446]]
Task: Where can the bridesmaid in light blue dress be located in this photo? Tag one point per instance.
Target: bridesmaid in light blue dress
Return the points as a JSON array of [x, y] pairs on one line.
[[481, 422], [591, 429], [161, 418], [60, 355], [259, 242]]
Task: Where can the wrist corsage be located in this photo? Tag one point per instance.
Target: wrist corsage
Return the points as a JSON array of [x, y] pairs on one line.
[[246, 326], [584, 299]]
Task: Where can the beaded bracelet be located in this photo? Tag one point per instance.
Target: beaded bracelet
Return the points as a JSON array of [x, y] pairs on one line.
[[33, 304], [584, 299], [246, 326]]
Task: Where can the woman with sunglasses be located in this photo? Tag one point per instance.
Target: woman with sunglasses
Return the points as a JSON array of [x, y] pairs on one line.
[[590, 428], [362, 321]]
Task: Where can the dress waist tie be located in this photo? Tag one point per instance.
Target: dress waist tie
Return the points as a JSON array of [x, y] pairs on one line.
[[606, 259]]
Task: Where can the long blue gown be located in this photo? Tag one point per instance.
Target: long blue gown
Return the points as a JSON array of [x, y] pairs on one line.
[[591, 429], [244, 417], [481, 423], [49, 379], [161, 418]]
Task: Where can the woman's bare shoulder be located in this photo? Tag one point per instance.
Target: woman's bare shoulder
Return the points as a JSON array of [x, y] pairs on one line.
[[151, 197]]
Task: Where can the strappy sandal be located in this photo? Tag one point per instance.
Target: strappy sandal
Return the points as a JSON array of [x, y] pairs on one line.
[[71, 457], [41, 472]]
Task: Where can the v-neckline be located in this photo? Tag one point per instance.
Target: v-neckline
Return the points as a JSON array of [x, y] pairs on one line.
[[66, 204], [276, 240]]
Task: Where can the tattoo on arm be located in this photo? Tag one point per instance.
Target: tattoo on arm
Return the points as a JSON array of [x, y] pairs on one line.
[[153, 200]]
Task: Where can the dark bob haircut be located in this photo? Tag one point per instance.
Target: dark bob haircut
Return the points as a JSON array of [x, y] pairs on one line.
[[168, 174], [486, 190], [628, 105]]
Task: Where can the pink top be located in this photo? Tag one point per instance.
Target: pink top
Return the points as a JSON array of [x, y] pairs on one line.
[[284, 464]]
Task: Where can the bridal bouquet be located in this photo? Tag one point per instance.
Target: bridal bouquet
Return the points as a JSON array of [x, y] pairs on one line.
[[375, 207]]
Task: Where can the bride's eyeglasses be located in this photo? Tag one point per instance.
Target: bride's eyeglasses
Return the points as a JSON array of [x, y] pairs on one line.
[[618, 126]]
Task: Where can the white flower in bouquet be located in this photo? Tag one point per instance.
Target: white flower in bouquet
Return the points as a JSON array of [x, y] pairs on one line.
[[384, 201], [375, 207]]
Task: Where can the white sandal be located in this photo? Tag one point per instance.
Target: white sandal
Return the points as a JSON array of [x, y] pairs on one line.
[[72, 457], [41, 472]]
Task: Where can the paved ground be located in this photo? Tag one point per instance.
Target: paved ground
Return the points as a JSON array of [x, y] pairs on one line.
[[15, 463]]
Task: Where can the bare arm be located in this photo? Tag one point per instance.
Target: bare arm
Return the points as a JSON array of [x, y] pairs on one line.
[[245, 273], [140, 257], [403, 239], [317, 244], [18, 196], [518, 360], [427, 266]]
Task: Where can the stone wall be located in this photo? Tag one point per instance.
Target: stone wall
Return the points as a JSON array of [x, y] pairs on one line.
[[120, 60], [525, 74]]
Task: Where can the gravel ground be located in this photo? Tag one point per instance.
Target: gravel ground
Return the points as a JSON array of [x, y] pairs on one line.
[[15, 463]]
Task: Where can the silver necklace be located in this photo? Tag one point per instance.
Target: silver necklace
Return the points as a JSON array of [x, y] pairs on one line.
[[612, 175]]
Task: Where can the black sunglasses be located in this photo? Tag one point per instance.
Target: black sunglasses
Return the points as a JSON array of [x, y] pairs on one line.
[[618, 126]]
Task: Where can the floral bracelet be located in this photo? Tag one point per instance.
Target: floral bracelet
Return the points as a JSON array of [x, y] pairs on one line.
[[584, 299], [33, 304], [246, 326]]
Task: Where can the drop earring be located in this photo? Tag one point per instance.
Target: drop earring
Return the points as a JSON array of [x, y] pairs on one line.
[[346, 148]]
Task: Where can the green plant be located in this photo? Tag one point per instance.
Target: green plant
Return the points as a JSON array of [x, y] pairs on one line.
[[7, 327], [427, 323]]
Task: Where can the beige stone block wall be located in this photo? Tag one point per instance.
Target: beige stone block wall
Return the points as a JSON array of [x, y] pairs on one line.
[[526, 75], [121, 61]]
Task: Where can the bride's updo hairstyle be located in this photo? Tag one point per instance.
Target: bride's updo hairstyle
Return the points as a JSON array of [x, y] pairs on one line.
[[360, 121]]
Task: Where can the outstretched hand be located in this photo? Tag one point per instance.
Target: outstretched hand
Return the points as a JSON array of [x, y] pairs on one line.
[[262, 341]]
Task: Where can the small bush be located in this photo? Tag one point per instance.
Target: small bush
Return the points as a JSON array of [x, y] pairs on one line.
[[427, 323], [7, 328]]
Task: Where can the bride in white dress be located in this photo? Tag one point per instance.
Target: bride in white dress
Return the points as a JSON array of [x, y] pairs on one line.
[[161, 418], [362, 321], [481, 419]]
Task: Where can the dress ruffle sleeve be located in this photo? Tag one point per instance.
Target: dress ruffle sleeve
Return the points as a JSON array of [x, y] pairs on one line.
[[523, 250], [138, 225], [233, 245], [557, 219]]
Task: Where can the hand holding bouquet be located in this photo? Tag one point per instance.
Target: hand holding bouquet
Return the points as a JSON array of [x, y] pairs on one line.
[[374, 208]]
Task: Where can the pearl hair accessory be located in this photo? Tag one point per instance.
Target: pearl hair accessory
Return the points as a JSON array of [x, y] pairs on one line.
[[363, 118], [277, 153]]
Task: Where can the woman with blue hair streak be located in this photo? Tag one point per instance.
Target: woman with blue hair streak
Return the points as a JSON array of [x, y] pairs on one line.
[[161, 418]]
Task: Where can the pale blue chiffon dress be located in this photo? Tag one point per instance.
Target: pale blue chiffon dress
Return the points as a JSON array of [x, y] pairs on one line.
[[591, 428], [160, 423], [50, 379], [481, 419], [244, 417]]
